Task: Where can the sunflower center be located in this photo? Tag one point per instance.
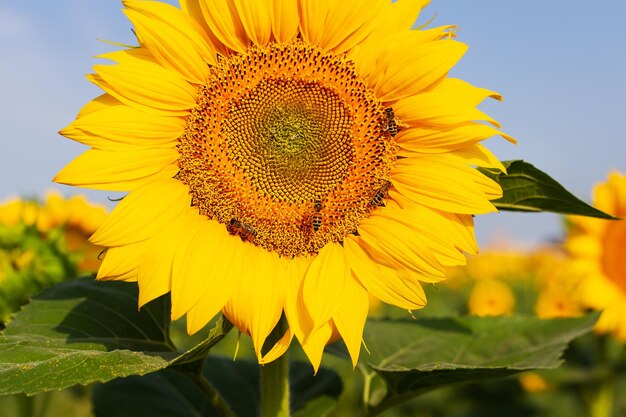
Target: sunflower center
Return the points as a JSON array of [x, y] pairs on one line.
[[287, 147], [291, 138]]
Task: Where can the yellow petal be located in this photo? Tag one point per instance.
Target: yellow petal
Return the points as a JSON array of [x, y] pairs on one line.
[[223, 21], [432, 110], [436, 231], [175, 40], [385, 283], [200, 272], [101, 102], [226, 270], [609, 196], [279, 348], [351, 316], [130, 276], [143, 212], [442, 182], [146, 86], [478, 155], [395, 244], [193, 9], [285, 19], [324, 283], [315, 343], [408, 66], [399, 16], [349, 22], [154, 275], [313, 14], [584, 246], [297, 315], [438, 140], [113, 124], [117, 170], [460, 227], [463, 91], [257, 302], [256, 19], [120, 260]]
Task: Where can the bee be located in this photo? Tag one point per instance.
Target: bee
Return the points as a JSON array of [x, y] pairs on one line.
[[316, 218], [392, 125], [380, 195], [245, 232]]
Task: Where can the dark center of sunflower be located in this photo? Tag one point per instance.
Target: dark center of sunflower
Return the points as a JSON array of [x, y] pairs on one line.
[[287, 147], [292, 139]]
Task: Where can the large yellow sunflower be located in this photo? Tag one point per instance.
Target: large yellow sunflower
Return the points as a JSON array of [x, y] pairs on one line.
[[598, 249], [285, 157]]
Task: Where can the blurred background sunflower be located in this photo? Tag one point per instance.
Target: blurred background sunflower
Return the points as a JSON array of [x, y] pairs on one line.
[[43, 243]]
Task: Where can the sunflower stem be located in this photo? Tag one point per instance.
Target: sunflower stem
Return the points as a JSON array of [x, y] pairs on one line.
[[212, 393], [25, 405], [275, 383], [601, 401]]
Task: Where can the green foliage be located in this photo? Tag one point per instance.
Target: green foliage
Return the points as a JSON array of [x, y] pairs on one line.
[[199, 351], [85, 331], [414, 357], [171, 393], [80, 332], [527, 188], [28, 263]]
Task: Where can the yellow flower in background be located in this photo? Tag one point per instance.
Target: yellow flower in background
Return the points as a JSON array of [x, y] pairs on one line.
[[494, 263], [533, 382], [558, 281], [488, 277], [490, 297], [42, 244], [17, 211], [285, 157], [598, 249], [79, 219]]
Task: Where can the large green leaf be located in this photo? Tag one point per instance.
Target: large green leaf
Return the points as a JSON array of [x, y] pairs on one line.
[[527, 188], [414, 357], [168, 393], [80, 332], [85, 331]]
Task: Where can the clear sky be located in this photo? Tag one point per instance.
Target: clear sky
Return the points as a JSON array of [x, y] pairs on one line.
[[560, 65]]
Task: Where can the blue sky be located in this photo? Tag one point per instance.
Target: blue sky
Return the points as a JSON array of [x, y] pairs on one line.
[[560, 65]]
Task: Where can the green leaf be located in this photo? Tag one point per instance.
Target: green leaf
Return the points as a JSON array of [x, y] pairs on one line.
[[414, 357], [201, 350], [319, 407], [80, 332], [170, 393], [86, 331], [527, 188]]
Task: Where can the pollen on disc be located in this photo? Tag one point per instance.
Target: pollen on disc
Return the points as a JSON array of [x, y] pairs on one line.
[[289, 144]]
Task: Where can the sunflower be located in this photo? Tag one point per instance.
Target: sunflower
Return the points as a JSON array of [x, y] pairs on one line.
[[285, 157], [598, 250], [557, 281], [43, 244], [491, 297], [79, 219]]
